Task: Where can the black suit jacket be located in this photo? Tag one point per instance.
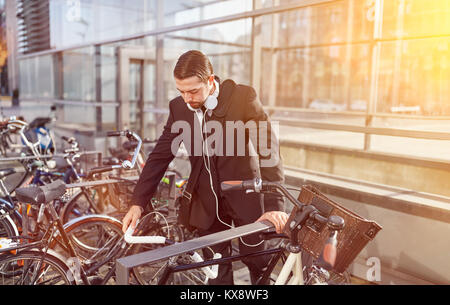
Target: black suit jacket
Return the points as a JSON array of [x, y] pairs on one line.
[[230, 160]]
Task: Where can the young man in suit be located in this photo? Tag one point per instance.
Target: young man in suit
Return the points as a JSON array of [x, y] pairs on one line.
[[205, 105]]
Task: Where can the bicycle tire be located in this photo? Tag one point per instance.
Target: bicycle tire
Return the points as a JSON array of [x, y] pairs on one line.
[[84, 202], [154, 225], [34, 268], [95, 238], [154, 272], [99, 202], [90, 234], [340, 279], [7, 226]]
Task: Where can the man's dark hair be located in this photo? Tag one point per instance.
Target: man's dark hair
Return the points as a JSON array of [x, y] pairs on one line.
[[193, 63]]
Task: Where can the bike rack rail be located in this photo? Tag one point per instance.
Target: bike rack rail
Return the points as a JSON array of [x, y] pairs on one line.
[[100, 182], [124, 264]]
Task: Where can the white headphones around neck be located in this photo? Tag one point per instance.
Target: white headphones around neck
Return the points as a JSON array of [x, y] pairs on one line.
[[211, 101]]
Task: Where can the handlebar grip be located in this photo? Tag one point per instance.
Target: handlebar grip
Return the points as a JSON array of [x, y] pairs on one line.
[[99, 170], [113, 134], [327, 258], [130, 239], [70, 140], [232, 185], [239, 185]]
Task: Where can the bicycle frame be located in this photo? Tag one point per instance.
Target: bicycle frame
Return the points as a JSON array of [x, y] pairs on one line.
[[171, 269], [293, 264], [55, 234]]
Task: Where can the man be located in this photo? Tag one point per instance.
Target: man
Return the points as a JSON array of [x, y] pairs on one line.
[[206, 104]]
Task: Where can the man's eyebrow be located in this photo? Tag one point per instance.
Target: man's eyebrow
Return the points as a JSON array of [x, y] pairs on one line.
[[189, 90]]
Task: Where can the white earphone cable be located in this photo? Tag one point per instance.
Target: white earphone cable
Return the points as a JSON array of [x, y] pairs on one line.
[[208, 169]]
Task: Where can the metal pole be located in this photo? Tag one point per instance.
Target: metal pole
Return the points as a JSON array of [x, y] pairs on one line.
[[376, 46], [98, 87]]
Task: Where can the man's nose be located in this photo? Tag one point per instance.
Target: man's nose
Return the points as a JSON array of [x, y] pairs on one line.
[[188, 97]]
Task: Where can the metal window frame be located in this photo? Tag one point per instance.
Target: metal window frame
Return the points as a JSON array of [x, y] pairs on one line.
[[165, 30], [256, 48]]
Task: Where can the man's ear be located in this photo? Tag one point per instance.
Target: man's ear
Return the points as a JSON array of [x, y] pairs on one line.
[[211, 80]]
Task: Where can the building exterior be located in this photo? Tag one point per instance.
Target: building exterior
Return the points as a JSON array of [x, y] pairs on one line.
[[360, 87], [356, 54], [376, 56], [33, 26]]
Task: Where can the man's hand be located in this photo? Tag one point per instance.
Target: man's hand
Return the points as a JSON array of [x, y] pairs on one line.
[[279, 219], [132, 217]]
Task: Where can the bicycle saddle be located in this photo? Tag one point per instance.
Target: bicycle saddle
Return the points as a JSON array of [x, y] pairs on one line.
[[6, 172], [40, 122], [37, 195]]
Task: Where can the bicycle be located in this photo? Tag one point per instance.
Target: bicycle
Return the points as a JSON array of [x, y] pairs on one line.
[[112, 197], [107, 197], [317, 226], [11, 218], [91, 244], [40, 169]]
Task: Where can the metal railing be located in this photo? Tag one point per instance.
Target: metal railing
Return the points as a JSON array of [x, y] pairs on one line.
[[368, 130]]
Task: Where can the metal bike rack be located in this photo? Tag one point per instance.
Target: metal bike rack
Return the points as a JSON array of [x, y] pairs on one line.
[[99, 182], [124, 264]]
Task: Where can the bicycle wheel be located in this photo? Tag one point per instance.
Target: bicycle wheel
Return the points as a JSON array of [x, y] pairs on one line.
[[151, 274], [96, 200], [85, 202], [154, 224], [340, 278], [33, 268], [95, 238], [7, 226]]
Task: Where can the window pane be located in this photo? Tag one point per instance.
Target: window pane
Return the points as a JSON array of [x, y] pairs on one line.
[[79, 74], [226, 44], [187, 11], [415, 73], [85, 21], [415, 18]]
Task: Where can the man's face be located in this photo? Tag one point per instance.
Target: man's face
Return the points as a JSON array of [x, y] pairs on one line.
[[194, 91]]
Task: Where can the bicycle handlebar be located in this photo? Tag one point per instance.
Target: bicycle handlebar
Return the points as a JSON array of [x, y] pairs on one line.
[[102, 169], [335, 223], [130, 135], [257, 185], [327, 257], [70, 140], [113, 134]]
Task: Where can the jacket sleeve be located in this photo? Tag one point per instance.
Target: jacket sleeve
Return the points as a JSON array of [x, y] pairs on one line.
[[156, 165], [265, 141]]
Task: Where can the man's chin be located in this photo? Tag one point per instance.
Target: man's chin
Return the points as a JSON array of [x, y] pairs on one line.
[[195, 105]]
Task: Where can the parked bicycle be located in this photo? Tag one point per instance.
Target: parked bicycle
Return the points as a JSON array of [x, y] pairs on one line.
[[332, 235], [82, 251], [113, 194]]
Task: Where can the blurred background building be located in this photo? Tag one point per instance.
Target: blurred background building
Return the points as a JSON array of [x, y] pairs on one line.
[[327, 55], [360, 87]]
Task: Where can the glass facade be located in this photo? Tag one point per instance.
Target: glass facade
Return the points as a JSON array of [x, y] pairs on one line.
[[337, 56], [37, 77], [181, 12], [75, 22]]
